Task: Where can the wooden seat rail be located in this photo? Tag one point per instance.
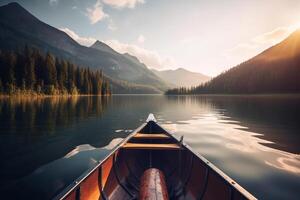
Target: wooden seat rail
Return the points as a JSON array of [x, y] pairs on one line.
[[151, 136], [151, 146]]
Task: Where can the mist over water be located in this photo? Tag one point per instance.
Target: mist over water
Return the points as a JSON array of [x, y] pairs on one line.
[[46, 143]]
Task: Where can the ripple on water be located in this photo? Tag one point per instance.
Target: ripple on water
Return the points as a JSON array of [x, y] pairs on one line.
[[219, 139]]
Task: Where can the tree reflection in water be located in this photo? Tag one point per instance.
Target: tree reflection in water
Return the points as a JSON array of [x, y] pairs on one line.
[[34, 127]]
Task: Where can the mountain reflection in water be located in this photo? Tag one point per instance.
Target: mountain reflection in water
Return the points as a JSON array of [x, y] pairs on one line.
[[253, 139]]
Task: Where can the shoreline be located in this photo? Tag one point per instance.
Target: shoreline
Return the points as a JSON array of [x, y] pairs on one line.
[[47, 95], [5, 96], [263, 94]]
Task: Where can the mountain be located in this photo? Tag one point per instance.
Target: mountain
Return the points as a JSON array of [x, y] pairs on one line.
[[18, 27], [275, 70], [103, 47], [182, 77]]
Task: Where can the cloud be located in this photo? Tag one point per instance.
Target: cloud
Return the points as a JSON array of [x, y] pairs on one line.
[[257, 44], [141, 39], [151, 58], [96, 13], [86, 41], [123, 3], [273, 36], [111, 25], [190, 40], [53, 2], [242, 52]]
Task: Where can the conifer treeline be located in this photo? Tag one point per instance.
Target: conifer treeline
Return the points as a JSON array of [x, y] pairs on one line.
[[255, 76], [180, 91], [31, 72]]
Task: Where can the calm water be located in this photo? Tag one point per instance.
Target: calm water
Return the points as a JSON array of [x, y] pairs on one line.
[[45, 144]]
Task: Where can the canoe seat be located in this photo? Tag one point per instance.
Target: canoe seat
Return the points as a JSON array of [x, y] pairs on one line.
[[151, 136], [151, 146], [153, 185]]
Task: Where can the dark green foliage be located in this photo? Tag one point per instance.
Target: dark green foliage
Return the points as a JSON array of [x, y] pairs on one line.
[[79, 79], [29, 68], [10, 67], [106, 88], [49, 70], [19, 27], [1, 87], [251, 77], [180, 91], [29, 71]]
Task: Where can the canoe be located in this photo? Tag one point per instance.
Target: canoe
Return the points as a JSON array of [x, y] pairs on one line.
[[153, 164]]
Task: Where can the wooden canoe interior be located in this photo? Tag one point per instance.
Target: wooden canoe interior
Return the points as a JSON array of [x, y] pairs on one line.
[[186, 175], [153, 185]]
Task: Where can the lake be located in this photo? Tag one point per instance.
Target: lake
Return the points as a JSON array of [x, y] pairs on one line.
[[46, 143]]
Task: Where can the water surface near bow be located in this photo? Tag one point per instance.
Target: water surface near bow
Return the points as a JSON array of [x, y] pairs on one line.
[[46, 143]]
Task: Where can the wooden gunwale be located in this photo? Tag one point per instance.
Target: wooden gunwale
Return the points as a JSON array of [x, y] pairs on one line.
[[220, 173], [65, 192], [231, 183]]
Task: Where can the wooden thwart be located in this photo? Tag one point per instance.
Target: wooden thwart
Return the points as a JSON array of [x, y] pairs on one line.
[[127, 172], [150, 146], [151, 136]]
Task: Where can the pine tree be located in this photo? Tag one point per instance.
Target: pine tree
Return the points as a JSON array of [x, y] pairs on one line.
[[11, 65], [1, 87], [2, 66], [50, 70], [30, 72], [58, 72], [90, 85], [106, 88], [86, 82], [71, 76], [39, 66], [81, 80], [61, 68], [64, 74], [98, 83], [30, 69]]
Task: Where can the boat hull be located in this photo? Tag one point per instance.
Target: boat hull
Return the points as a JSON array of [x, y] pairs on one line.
[[187, 174]]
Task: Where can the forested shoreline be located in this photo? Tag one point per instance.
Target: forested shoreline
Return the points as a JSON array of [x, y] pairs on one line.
[[255, 76], [30, 72]]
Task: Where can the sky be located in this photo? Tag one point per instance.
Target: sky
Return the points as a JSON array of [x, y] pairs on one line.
[[199, 35]]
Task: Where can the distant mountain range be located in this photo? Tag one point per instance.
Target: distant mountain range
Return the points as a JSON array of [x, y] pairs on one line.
[[19, 28], [275, 70], [181, 77]]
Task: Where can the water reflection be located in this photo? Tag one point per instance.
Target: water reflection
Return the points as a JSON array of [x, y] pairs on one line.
[[32, 130], [273, 118], [254, 139], [42, 115], [49, 179]]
